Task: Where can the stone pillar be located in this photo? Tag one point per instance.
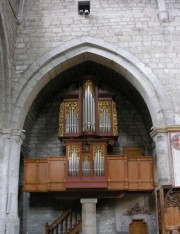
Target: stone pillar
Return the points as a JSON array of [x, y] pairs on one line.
[[10, 145], [12, 219], [162, 157], [5, 142], [89, 215], [163, 14]]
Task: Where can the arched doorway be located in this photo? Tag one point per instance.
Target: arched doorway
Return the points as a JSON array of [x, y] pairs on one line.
[[137, 227]]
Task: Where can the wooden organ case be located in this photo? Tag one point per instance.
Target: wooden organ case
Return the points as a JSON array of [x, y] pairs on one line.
[[87, 123]]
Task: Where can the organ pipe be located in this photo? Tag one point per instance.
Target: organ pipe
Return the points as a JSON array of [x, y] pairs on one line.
[[73, 169], [88, 107], [71, 123], [99, 161], [86, 166], [104, 116]]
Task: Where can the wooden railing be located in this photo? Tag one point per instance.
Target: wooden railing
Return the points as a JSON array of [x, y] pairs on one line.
[[68, 223], [123, 173], [77, 228], [130, 173]]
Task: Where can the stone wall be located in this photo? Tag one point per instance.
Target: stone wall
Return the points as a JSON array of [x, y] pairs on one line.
[[113, 216], [9, 9], [132, 25], [8, 26]]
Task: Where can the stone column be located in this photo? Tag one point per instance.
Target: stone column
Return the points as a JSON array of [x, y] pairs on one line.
[[10, 145], [5, 142], [162, 157], [12, 219], [163, 14], [89, 215]]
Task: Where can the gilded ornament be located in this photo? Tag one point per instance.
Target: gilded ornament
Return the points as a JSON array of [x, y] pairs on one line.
[[104, 106], [61, 120], [98, 148], [91, 86], [115, 123], [73, 149], [69, 106]]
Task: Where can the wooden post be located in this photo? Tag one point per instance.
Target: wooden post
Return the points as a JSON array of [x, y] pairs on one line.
[[47, 228], [161, 197]]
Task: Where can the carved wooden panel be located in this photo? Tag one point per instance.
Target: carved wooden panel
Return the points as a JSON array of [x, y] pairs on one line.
[[42, 175], [130, 173], [133, 174], [169, 209], [172, 210], [56, 174], [116, 167], [30, 175]]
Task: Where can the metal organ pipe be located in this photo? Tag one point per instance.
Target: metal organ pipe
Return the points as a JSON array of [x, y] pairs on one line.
[[72, 125], [88, 110], [104, 122], [98, 163], [93, 114], [73, 163]]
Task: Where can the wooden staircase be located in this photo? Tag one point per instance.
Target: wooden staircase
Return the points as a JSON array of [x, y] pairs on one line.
[[67, 223]]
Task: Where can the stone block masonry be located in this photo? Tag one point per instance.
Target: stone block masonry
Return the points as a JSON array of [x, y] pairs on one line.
[[134, 26]]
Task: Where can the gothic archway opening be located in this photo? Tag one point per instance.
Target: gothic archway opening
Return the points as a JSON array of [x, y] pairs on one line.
[[41, 126]]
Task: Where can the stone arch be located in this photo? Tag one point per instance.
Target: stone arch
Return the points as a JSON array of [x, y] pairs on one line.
[[76, 51]]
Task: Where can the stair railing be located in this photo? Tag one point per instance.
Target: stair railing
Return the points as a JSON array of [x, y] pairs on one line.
[[67, 223]]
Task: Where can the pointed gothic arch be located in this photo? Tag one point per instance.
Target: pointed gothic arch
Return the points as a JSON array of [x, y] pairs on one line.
[[76, 51]]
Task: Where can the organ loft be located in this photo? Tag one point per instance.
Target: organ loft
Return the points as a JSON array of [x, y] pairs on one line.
[[88, 129]]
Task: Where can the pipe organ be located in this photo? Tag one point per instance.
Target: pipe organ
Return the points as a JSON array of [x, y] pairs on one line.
[[87, 128], [87, 122], [89, 113]]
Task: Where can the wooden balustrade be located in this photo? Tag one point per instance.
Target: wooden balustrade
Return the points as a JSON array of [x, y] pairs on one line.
[[123, 173], [46, 174], [130, 173], [68, 222]]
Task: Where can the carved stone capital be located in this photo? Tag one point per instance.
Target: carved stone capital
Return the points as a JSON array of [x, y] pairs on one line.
[[18, 136], [11, 134], [156, 131]]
